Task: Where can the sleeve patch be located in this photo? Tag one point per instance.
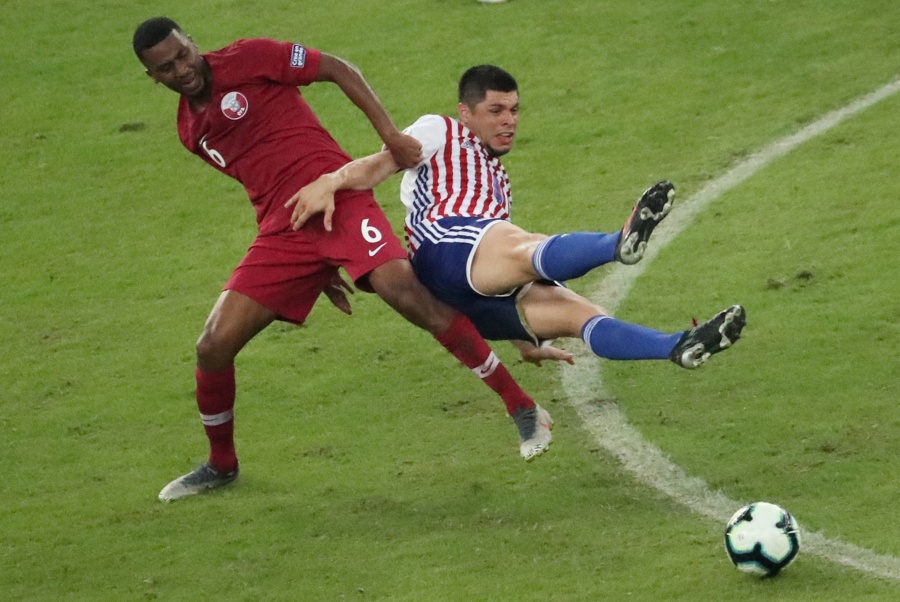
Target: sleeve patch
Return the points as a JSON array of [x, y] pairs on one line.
[[298, 56]]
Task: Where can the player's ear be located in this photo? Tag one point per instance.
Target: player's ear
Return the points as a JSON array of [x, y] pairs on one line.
[[464, 112]]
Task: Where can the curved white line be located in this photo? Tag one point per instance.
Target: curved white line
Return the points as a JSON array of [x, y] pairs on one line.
[[584, 387]]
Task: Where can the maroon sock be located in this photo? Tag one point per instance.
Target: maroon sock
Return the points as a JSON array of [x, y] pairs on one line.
[[463, 341], [215, 400]]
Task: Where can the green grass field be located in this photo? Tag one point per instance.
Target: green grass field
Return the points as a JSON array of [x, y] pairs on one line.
[[373, 466]]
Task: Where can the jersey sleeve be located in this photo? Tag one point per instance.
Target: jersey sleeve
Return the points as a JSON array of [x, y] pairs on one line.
[[431, 132], [282, 62]]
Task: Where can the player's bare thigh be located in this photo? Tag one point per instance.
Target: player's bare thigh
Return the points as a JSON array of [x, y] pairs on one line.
[[554, 312], [502, 260]]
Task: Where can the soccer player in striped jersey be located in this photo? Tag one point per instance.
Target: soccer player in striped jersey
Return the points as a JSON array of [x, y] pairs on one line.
[[466, 250], [241, 111]]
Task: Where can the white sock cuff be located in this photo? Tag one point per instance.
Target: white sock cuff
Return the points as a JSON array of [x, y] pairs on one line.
[[217, 419], [589, 327], [488, 367]]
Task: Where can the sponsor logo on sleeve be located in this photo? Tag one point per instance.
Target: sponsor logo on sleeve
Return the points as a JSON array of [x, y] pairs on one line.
[[298, 56], [234, 105]]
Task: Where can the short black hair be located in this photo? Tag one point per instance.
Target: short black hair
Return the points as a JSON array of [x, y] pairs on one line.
[[151, 32], [476, 81]]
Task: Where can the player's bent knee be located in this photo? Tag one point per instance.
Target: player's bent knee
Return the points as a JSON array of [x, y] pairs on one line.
[[214, 350]]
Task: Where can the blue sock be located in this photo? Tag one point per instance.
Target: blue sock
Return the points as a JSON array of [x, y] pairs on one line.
[[617, 340], [567, 256]]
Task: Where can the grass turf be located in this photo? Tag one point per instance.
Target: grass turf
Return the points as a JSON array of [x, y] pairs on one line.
[[374, 468]]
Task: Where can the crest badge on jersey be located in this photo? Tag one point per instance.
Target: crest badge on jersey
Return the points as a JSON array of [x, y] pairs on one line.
[[298, 56], [234, 105]]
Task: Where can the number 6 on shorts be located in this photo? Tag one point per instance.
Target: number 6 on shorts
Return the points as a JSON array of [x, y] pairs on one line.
[[370, 233]]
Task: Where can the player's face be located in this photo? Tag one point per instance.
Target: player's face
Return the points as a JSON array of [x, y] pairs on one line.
[[176, 63], [493, 120]]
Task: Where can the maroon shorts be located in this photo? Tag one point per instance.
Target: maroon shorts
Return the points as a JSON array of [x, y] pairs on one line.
[[287, 271]]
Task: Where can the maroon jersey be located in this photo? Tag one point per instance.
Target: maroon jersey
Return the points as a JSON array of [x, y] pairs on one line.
[[258, 129]]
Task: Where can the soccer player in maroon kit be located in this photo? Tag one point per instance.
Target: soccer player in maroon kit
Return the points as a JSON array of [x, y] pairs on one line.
[[240, 110]]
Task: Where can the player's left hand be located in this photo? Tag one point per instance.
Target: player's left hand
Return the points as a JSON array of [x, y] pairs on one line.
[[535, 355], [315, 197], [406, 150], [337, 293]]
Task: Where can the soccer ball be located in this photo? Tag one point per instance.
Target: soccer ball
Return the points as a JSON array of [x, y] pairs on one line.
[[762, 538]]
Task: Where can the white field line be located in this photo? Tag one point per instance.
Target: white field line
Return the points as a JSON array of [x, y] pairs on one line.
[[584, 388]]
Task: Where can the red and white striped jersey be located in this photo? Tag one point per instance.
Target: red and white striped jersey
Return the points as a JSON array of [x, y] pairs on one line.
[[456, 178]]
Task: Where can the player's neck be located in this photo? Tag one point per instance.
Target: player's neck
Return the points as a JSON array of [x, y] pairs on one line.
[[199, 102]]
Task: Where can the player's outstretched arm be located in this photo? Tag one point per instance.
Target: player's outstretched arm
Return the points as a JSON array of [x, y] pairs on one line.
[[318, 196], [407, 151]]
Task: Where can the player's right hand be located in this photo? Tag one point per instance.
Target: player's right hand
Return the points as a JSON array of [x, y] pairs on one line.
[[316, 197]]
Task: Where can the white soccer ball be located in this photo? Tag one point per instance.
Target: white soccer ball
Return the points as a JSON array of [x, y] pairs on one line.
[[762, 538]]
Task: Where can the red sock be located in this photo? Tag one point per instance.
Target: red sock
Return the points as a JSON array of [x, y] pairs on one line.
[[215, 399], [463, 341]]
